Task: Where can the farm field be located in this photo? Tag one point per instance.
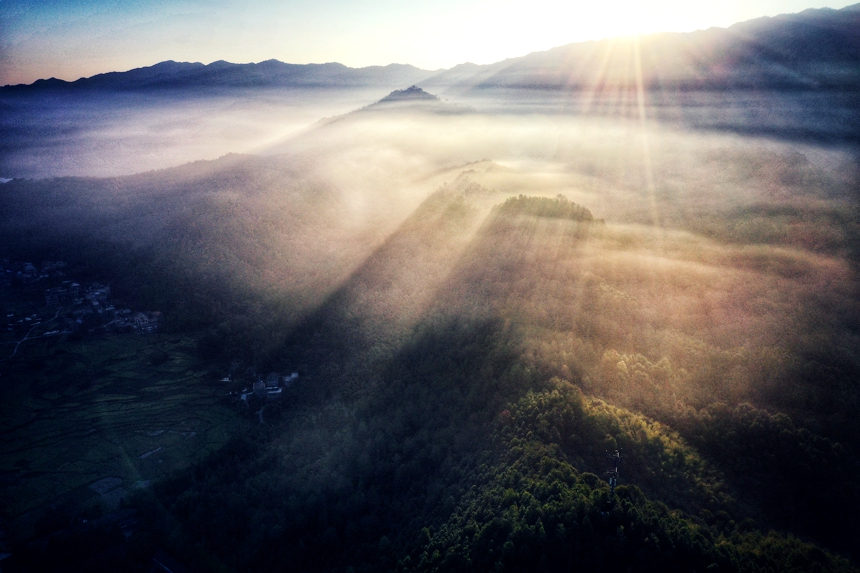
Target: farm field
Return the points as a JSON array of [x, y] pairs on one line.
[[84, 422]]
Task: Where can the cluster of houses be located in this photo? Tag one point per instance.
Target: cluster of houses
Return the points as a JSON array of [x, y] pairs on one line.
[[96, 300], [14, 321], [93, 301], [28, 273], [72, 293], [146, 321], [268, 389], [75, 303]]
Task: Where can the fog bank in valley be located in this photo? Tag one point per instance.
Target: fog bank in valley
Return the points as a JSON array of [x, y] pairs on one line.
[[717, 241]]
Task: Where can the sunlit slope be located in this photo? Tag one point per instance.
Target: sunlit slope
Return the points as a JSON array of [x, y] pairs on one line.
[[733, 259], [667, 323], [730, 320], [660, 321], [532, 505]]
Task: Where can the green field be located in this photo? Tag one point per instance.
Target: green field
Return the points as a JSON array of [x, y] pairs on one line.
[[87, 421]]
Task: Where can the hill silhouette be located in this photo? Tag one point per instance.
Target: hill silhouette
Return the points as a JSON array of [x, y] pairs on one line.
[[412, 93], [170, 75]]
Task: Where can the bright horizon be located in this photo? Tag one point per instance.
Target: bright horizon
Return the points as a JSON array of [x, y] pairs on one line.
[[81, 38]]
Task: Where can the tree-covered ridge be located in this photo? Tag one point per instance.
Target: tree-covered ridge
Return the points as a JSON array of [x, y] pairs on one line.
[[770, 460], [657, 459], [534, 510], [560, 208]]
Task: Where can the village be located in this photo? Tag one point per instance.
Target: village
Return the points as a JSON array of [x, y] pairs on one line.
[[267, 389], [44, 300]]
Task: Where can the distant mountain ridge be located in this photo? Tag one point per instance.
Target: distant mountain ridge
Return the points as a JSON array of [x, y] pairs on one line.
[[813, 49], [269, 74]]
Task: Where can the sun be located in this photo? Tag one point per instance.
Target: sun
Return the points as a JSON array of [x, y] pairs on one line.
[[485, 32]]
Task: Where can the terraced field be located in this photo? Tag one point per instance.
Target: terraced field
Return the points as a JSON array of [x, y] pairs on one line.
[[86, 421]]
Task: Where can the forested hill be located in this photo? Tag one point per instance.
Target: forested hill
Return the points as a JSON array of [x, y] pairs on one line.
[[456, 436], [560, 208]]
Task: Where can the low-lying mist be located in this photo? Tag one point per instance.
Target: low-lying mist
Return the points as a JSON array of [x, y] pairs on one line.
[[726, 269], [105, 134], [721, 237], [110, 133]]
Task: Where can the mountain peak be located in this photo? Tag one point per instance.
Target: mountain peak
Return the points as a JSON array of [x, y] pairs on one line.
[[412, 93]]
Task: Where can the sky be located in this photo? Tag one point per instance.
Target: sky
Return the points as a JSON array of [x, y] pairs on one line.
[[69, 39]]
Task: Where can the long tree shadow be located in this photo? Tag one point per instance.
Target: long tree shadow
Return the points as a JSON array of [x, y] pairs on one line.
[[372, 314]]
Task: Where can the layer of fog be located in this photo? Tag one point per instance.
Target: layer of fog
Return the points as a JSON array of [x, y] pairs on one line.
[[116, 133], [721, 247], [820, 117], [728, 255], [123, 133], [623, 168]]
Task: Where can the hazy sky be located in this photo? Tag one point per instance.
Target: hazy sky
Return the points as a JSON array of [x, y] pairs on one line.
[[69, 39]]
